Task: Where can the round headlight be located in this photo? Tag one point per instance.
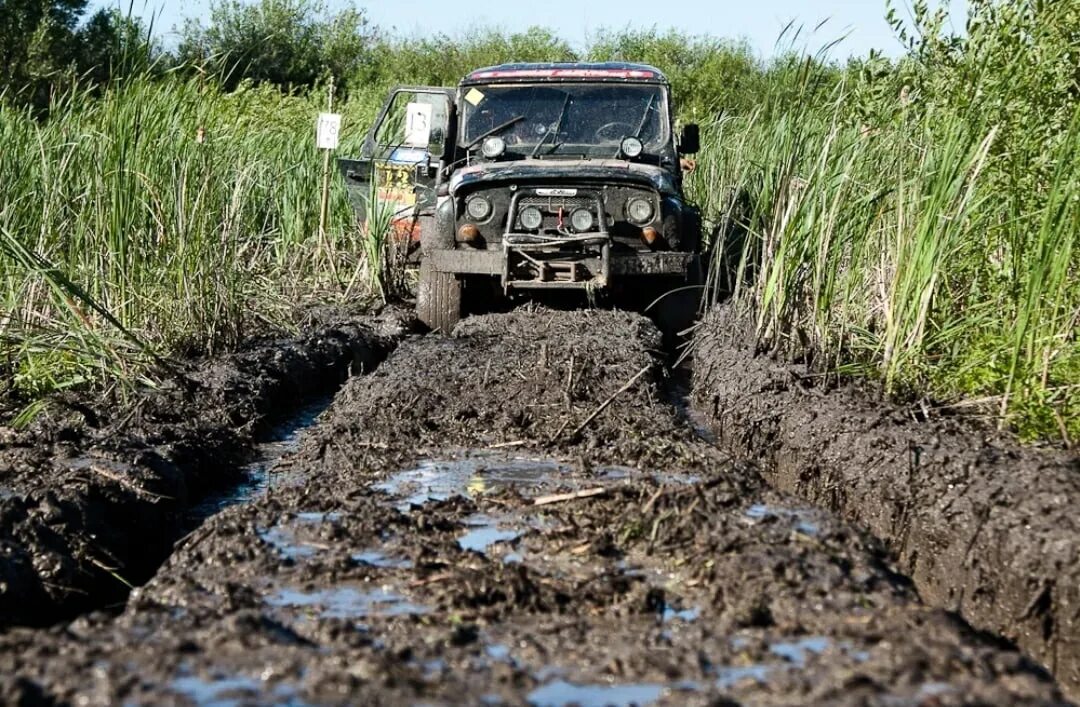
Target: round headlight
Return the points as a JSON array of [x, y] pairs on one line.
[[493, 146], [639, 210], [531, 218], [479, 208], [581, 220], [631, 146]]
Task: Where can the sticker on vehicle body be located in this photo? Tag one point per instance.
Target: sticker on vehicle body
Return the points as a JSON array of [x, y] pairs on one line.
[[474, 96], [394, 184]]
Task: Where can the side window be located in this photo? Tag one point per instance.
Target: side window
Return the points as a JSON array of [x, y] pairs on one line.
[[415, 120]]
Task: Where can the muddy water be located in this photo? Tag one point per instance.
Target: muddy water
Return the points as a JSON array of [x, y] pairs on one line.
[[466, 528], [258, 475]]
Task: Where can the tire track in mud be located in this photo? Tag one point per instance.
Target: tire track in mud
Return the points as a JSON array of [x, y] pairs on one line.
[[983, 526], [92, 498], [446, 535]]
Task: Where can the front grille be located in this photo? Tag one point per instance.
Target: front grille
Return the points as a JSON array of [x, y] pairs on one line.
[[552, 204]]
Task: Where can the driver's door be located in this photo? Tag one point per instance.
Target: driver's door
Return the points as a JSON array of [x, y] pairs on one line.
[[399, 166]]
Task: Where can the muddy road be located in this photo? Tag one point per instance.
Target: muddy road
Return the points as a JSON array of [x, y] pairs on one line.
[[523, 513]]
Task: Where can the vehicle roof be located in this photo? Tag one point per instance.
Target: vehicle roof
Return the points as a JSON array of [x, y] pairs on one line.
[[566, 71]]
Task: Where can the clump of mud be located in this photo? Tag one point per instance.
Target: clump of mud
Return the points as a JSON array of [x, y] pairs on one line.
[[436, 543], [984, 527], [92, 499]]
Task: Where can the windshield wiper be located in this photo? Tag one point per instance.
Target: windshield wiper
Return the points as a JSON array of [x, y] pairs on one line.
[[558, 127], [497, 129]]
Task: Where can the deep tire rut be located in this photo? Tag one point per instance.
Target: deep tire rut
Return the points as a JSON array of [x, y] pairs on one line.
[[517, 515]]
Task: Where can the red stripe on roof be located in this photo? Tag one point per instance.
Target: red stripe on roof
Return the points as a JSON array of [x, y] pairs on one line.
[[565, 74]]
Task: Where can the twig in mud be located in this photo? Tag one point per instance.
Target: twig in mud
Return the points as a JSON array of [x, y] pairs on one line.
[[656, 496], [371, 445], [431, 580], [503, 445], [128, 484], [604, 405], [561, 497]]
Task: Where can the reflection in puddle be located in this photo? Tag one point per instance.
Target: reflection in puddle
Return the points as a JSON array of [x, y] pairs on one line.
[[728, 677], [805, 521], [375, 558], [348, 602], [497, 651], [257, 476], [796, 652], [438, 480], [229, 691], [441, 479], [484, 532], [283, 536], [284, 541], [217, 691], [562, 694], [688, 615]]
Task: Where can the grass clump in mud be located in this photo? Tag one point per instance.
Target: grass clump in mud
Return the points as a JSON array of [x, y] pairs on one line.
[[918, 220]]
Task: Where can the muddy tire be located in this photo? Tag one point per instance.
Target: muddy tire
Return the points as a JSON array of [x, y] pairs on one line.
[[438, 299]]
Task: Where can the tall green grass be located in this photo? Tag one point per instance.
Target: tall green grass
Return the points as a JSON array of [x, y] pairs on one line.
[[164, 216], [895, 250]]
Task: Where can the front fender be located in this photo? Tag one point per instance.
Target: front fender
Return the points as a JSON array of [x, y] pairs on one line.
[[441, 237]]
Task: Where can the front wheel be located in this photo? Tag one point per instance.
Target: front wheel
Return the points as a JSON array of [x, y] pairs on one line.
[[438, 298]]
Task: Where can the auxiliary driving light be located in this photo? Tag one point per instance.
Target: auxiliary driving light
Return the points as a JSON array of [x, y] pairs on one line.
[[631, 146], [478, 207], [531, 218], [493, 146], [581, 220], [639, 210], [468, 232]]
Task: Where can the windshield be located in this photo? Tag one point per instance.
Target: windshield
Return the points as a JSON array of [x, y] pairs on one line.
[[540, 119]]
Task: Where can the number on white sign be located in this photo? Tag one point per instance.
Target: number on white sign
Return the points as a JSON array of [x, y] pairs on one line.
[[327, 129], [418, 124]]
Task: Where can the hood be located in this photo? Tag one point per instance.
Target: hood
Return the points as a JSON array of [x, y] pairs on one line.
[[575, 171]]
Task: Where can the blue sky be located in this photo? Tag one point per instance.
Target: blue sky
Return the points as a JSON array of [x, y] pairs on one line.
[[759, 21]]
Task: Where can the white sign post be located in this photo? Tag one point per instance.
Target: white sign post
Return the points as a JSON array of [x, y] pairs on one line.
[[327, 129]]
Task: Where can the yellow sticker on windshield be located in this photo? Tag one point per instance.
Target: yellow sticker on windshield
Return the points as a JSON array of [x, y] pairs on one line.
[[474, 96]]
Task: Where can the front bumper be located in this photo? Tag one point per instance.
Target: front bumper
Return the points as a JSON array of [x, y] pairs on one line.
[[562, 270]]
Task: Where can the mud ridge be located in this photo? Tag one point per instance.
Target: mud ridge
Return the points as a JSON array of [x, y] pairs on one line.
[[515, 515], [92, 499], [983, 526]]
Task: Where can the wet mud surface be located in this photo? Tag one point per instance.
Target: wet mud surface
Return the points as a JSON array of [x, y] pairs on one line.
[[983, 526], [92, 498], [518, 515]]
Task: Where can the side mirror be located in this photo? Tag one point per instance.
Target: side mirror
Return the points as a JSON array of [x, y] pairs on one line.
[[690, 140]]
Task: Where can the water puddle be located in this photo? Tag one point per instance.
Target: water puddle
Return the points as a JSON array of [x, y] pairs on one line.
[[284, 540], [286, 537], [470, 477], [485, 531], [218, 692], [561, 693], [258, 474], [377, 558], [441, 479], [730, 676], [803, 520], [796, 652], [348, 602], [685, 615], [230, 691], [678, 396]]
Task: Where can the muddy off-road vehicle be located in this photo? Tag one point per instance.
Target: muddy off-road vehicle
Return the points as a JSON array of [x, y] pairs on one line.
[[530, 178]]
